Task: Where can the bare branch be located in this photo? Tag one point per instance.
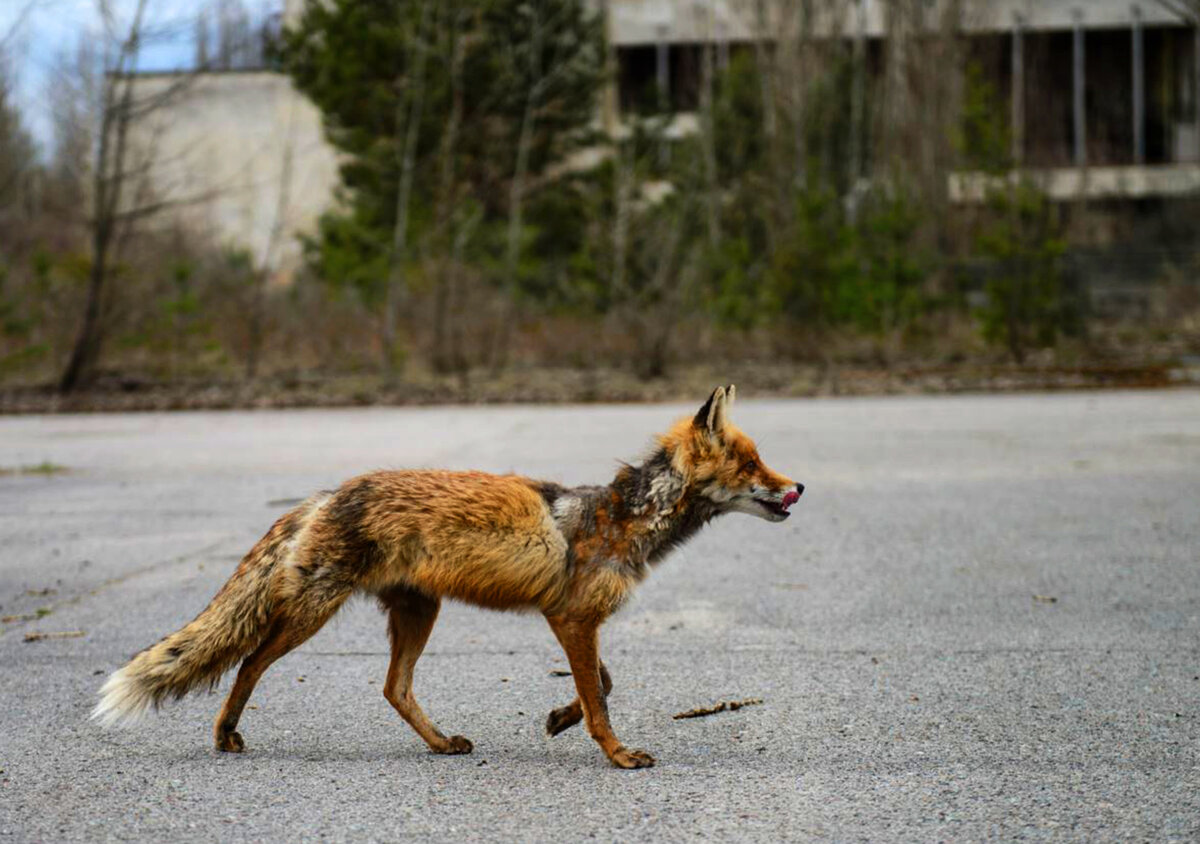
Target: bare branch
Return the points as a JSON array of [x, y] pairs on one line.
[[19, 22]]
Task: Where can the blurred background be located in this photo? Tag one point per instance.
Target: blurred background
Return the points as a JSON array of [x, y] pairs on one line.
[[350, 201]]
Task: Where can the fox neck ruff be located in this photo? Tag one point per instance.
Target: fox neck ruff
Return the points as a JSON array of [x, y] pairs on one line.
[[652, 509]]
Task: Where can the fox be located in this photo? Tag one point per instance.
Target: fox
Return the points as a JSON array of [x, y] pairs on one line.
[[410, 538]]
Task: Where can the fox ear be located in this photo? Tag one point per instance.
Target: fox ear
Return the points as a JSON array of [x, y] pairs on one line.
[[714, 414]]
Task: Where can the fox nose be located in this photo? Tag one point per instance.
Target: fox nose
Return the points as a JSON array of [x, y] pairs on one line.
[[799, 489]]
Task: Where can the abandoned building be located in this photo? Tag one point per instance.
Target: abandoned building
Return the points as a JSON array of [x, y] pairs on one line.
[[1102, 98]]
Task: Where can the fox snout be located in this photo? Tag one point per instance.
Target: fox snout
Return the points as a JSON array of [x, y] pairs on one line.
[[775, 507]]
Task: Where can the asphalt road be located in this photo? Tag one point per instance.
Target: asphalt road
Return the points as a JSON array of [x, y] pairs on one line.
[[982, 621]]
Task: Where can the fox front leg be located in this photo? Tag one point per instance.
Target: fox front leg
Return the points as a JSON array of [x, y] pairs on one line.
[[580, 642], [568, 716]]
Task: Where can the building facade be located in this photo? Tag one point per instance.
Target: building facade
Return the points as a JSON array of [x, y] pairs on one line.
[[1102, 98]]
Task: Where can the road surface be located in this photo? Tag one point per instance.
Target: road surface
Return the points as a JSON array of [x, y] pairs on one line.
[[982, 621]]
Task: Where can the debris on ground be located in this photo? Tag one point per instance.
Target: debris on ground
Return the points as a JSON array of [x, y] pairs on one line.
[[1045, 599], [60, 634], [558, 672], [723, 706]]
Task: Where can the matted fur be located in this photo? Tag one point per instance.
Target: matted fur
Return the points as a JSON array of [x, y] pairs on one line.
[[413, 537]]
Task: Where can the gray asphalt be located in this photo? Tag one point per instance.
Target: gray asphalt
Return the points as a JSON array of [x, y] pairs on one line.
[[914, 687]]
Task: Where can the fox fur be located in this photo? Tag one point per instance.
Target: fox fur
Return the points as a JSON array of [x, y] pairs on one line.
[[411, 538]]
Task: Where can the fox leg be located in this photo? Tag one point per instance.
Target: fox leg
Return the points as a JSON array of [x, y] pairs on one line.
[[580, 641], [410, 620], [568, 716], [287, 631]]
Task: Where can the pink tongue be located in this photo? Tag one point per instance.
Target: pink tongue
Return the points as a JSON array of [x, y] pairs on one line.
[[791, 498]]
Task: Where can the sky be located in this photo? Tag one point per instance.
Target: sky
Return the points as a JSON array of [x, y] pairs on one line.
[[36, 35]]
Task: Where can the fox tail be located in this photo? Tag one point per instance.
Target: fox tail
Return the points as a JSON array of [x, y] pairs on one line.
[[233, 624]]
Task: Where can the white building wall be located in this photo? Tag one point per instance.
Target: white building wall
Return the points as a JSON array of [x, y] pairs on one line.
[[221, 153]]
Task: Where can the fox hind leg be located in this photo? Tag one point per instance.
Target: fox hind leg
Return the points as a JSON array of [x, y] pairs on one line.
[[568, 716], [411, 615], [288, 631]]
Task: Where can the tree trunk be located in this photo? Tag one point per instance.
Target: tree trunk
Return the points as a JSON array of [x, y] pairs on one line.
[[707, 132], [108, 183], [261, 273], [397, 269], [86, 351], [516, 207], [765, 60], [448, 268]]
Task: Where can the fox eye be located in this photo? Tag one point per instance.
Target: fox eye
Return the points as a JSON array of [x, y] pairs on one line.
[[750, 466]]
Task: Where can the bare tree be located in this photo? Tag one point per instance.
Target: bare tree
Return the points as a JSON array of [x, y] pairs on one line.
[[268, 260], [17, 154], [516, 192], [18, 157], [408, 121], [708, 133], [119, 194], [445, 355], [17, 25], [549, 59], [1189, 10]]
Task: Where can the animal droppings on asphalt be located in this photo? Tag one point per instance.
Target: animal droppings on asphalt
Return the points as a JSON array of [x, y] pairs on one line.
[[723, 706]]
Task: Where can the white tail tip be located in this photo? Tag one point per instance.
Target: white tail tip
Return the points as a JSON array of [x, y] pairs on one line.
[[123, 700]]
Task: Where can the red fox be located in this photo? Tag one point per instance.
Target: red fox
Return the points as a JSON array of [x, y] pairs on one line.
[[410, 538]]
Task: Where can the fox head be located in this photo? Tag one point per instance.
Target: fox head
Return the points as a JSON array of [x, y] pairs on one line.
[[721, 464]]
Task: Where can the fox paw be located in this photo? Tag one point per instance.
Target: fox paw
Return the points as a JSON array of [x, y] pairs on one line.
[[456, 745], [623, 757], [563, 718], [230, 742]]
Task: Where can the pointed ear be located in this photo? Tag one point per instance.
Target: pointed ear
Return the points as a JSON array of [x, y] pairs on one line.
[[713, 415]]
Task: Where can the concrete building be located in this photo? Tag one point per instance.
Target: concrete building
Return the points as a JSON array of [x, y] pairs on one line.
[[244, 156], [1115, 87]]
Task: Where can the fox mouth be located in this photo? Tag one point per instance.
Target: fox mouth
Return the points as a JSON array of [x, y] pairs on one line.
[[779, 509]]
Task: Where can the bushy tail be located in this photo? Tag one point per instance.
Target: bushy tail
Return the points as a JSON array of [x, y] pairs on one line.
[[233, 624]]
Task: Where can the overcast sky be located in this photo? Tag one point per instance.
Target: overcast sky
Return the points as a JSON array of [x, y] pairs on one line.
[[48, 28]]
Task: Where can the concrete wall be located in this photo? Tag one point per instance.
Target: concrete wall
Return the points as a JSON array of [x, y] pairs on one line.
[[221, 150], [1070, 183], [650, 21]]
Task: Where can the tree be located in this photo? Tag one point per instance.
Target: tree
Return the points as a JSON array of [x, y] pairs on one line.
[[519, 81], [118, 197], [1020, 236], [18, 155], [1025, 303]]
